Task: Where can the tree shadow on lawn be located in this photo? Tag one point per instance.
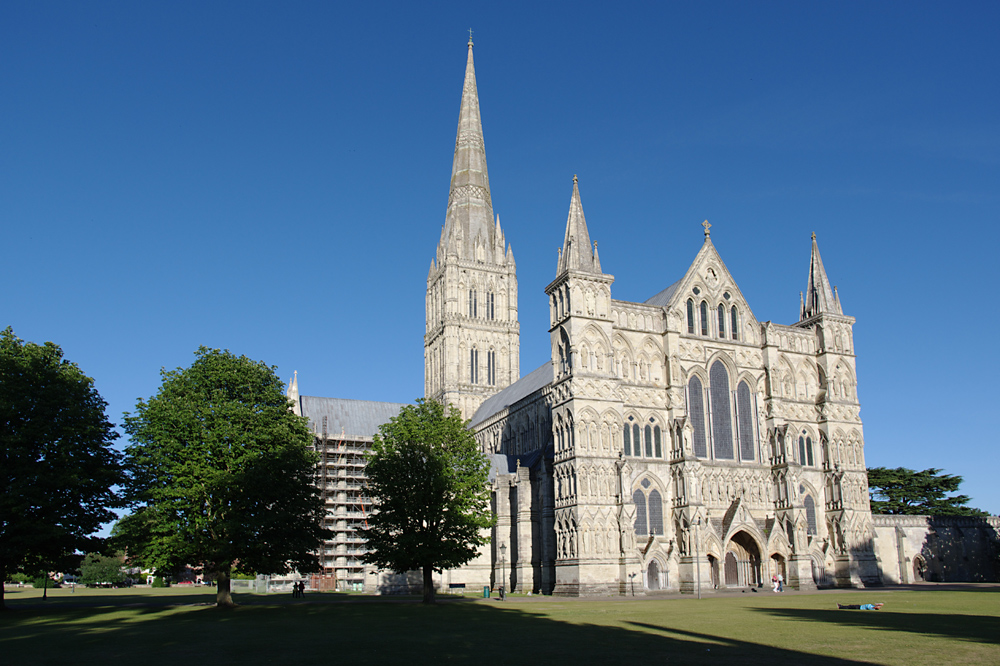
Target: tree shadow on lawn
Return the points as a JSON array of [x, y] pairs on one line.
[[977, 628], [480, 632]]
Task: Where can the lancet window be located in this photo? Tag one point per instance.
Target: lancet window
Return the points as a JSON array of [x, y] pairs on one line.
[[696, 412], [704, 318], [722, 425], [805, 449], [722, 320], [744, 421], [690, 313], [648, 509], [735, 327]]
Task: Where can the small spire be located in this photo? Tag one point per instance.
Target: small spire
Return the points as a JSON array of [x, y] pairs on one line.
[[819, 294], [707, 227], [576, 252], [470, 36]]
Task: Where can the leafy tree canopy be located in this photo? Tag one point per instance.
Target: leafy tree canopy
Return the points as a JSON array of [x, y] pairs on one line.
[[904, 491], [97, 568], [58, 469], [221, 474], [429, 483]]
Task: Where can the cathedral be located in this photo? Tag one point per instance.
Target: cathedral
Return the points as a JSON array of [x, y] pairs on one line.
[[673, 444]]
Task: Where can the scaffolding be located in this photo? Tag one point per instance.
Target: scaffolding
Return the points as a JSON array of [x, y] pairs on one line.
[[341, 480]]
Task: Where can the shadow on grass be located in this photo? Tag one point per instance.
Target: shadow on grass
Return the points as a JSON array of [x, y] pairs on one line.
[[978, 628], [480, 632]]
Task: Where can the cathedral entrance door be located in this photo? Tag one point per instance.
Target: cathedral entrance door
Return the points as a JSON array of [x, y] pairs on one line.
[[653, 576], [732, 570], [742, 561]]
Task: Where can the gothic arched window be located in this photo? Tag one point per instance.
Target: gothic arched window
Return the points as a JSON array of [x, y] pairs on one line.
[[696, 412], [735, 323], [704, 318], [655, 512], [744, 421], [474, 366], [639, 498], [657, 441], [805, 449], [722, 320], [810, 514], [690, 309], [637, 446], [627, 436], [491, 368], [491, 306], [722, 425]]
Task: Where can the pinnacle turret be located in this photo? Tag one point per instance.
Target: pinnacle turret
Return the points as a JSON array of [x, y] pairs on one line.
[[819, 297], [577, 253]]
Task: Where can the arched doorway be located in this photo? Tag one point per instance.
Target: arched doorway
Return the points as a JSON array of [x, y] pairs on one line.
[[919, 569], [732, 570], [653, 576], [777, 566], [742, 561], [713, 567]]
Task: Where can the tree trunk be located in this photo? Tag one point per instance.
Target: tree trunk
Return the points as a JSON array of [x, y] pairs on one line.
[[223, 594], [3, 577], [428, 584]]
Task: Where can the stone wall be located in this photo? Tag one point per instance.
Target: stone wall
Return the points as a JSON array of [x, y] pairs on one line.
[[912, 549]]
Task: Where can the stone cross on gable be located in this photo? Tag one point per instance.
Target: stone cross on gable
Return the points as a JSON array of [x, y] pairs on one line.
[[707, 227]]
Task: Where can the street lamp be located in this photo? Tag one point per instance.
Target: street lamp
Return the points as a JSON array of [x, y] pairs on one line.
[[697, 552], [631, 580], [503, 569]]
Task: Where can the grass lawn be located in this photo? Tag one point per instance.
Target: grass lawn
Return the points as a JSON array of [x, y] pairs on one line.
[[148, 627]]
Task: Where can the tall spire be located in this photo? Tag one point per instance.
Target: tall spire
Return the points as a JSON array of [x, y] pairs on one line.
[[819, 294], [470, 209], [577, 252]]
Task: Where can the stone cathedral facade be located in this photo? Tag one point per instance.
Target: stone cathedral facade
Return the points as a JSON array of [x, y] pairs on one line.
[[672, 444]]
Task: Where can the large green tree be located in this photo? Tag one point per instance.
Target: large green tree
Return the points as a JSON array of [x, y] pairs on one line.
[[221, 474], [97, 568], [58, 470], [927, 493], [428, 480]]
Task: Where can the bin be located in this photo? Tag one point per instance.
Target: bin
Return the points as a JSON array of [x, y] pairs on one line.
[[486, 591]]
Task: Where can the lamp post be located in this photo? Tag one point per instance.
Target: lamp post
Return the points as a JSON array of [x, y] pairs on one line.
[[697, 552], [631, 580], [503, 570]]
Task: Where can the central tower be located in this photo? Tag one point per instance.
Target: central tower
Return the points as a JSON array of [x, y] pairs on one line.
[[471, 342]]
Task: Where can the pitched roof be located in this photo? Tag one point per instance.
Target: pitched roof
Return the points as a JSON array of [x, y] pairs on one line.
[[663, 298], [353, 418], [522, 388]]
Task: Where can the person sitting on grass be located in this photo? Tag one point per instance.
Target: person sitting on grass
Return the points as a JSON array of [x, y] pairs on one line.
[[860, 606]]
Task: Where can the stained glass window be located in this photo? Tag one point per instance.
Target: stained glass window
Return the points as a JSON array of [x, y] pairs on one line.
[[690, 316], [649, 441], [627, 435], [744, 415], [736, 323], [640, 512], [696, 411], [722, 425], [704, 318], [636, 442], [655, 512], [722, 320], [810, 515], [657, 441]]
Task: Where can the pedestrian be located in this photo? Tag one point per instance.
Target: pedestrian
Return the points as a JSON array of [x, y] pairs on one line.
[[774, 582], [781, 583]]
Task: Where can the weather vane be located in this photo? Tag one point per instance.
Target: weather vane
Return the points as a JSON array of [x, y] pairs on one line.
[[470, 35]]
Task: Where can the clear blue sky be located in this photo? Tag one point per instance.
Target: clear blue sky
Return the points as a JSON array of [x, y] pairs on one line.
[[272, 178]]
